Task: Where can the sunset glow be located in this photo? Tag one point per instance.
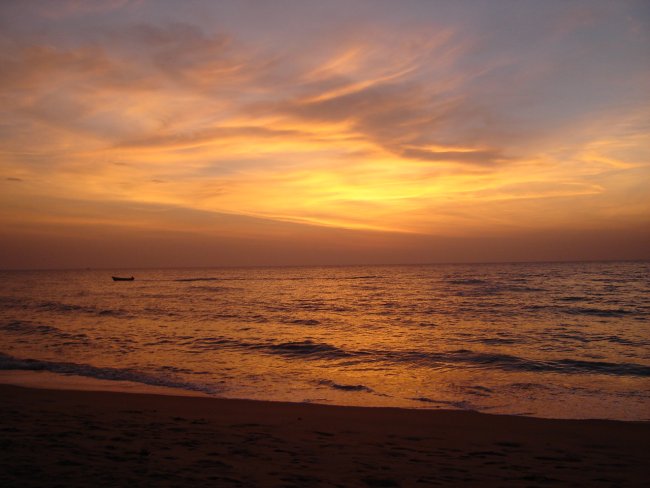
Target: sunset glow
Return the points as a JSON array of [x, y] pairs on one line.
[[287, 123]]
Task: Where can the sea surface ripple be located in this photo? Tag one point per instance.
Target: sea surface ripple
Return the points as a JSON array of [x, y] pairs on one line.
[[568, 340]]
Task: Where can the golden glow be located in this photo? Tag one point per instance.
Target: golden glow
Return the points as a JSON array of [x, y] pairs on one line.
[[406, 131]]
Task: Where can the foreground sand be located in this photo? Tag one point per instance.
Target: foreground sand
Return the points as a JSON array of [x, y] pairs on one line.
[[81, 438]]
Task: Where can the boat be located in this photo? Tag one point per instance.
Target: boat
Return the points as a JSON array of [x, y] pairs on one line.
[[119, 278]]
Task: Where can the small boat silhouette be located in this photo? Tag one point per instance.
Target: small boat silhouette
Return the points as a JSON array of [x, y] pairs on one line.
[[118, 278]]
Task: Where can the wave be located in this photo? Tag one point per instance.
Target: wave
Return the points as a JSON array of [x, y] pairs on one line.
[[20, 327], [307, 350], [599, 312], [467, 281], [472, 359], [65, 307], [10, 363], [626, 342], [486, 287], [368, 277], [508, 362], [310, 350], [590, 338], [339, 386], [214, 289], [587, 311], [60, 307], [198, 279], [461, 405], [618, 369], [496, 341], [303, 322], [528, 386]]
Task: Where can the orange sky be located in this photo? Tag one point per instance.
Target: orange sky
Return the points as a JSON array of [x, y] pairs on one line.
[[227, 133]]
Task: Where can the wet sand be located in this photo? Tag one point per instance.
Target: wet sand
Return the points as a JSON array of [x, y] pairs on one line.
[[83, 438]]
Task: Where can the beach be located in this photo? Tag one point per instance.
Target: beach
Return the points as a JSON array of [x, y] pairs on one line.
[[99, 438], [324, 244]]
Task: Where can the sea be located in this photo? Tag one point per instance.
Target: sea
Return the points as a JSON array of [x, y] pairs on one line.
[[557, 340]]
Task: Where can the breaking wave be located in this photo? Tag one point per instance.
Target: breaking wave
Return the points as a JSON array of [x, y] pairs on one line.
[[9, 363]]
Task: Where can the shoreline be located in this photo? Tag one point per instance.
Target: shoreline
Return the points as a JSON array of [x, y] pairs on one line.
[[116, 438], [48, 380]]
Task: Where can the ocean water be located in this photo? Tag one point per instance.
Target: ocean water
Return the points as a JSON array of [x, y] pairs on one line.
[[565, 340]]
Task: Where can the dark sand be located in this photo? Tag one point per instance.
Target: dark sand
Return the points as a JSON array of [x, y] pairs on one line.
[[81, 438]]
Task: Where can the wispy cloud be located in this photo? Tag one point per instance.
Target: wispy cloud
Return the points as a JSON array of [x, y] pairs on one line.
[[430, 125]]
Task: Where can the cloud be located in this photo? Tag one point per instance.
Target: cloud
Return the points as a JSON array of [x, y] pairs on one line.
[[400, 117], [188, 57], [421, 120], [198, 138]]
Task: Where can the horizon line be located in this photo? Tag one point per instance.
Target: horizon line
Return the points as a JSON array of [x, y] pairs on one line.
[[251, 266]]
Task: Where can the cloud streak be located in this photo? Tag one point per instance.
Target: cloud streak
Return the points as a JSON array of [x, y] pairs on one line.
[[428, 121]]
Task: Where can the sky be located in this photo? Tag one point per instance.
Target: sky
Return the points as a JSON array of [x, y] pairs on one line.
[[208, 133]]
